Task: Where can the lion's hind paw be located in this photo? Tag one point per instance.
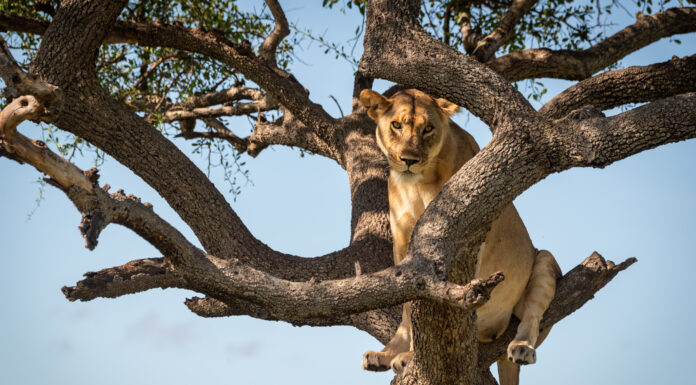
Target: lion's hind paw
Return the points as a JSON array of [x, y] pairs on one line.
[[522, 353]]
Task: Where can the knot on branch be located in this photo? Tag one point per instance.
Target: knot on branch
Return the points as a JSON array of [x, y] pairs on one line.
[[582, 113], [91, 225]]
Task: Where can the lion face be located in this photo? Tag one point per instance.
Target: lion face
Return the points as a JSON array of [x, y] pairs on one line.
[[411, 128]]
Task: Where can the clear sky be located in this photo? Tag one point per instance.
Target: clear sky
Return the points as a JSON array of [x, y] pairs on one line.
[[638, 330]]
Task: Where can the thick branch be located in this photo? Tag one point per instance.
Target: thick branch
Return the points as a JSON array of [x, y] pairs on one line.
[[579, 65], [598, 142], [267, 51], [291, 301], [398, 49], [573, 290], [486, 47], [381, 323], [630, 85], [98, 207]]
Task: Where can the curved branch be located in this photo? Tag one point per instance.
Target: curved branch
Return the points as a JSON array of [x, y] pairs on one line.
[[35, 152], [630, 85], [579, 65], [98, 207], [267, 51], [486, 47]]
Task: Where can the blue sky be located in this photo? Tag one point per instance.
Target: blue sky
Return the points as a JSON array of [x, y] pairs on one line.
[[638, 329]]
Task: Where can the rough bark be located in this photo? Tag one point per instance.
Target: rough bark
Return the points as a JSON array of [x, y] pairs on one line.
[[579, 65]]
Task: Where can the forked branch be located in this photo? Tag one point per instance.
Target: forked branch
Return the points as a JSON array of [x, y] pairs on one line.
[[267, 51]]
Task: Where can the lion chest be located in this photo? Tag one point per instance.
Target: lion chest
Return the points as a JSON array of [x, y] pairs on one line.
[[407, 202]]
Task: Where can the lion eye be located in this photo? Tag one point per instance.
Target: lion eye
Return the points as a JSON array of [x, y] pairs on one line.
[[428, 129], [396, 125]]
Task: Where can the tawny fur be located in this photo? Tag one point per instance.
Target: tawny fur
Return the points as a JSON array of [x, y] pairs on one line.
[[424, 149]]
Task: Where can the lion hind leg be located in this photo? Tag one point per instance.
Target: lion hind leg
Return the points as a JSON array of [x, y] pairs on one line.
[[536, 299], [400, 343]]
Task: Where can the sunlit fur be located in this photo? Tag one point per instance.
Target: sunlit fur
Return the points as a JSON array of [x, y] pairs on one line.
[[530, 276]]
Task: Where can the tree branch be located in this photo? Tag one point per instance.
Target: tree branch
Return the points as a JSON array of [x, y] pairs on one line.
[[282, 86], [594, 141], [35, 152], [380, 323], [630, 85], [293, 301], [267, 51], [486, 47], [18, 83], [470, 37], [579, 65], [133, 277], [289, 131]]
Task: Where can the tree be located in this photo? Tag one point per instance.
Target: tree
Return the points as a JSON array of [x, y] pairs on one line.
[[65, 87]]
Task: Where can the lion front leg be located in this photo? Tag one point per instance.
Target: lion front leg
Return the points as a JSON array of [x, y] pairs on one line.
[[400, 343], [536, 299]]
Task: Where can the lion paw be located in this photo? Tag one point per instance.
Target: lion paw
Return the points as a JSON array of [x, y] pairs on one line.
[[400, 361], [522, 353], [376, 361]]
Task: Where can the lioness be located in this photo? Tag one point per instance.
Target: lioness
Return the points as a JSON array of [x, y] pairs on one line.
[[424, 149]]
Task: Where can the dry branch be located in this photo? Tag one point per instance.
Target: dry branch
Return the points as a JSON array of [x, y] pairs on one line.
[[141, 275], [35, 152]]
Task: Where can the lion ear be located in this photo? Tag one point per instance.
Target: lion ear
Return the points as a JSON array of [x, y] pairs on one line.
[[374, 102], [448, 107]]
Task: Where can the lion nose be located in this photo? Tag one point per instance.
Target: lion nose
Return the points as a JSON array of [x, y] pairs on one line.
[[409, 161]]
